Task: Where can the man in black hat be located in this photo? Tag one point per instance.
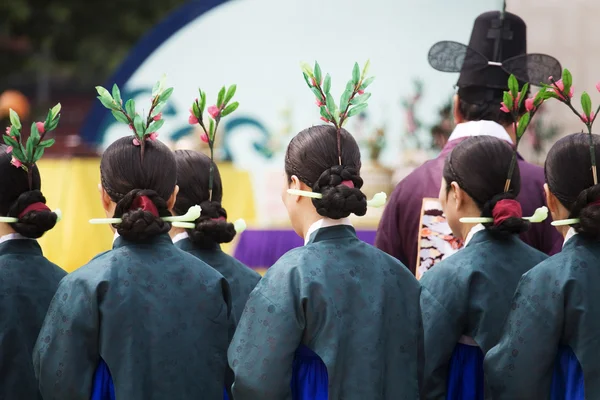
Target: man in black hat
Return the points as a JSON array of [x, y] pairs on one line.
[[413, 228]]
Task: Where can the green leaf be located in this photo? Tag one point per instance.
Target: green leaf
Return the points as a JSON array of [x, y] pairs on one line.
[[317, 93], [103, 92], [586, 104], [164, 96], [156, 88], [367, 82], [14, 132], [307, 79], [523, 93], [324, 113], [523, 124], [116, 94], [567, 79], [196, 110], [138, 124], [230, 93], [221, 97], [10, 141], [130, 107], [331, 107], [48, 118], [355, 74], [158, 109], [327, 84], [360, 99], [365, 70], [508, 100], [35, 134], [345, 99], [357, 109], [14, 119], [18, 153], [53, 124], [119, 116], [39, 152], [202, 103], [211, 130], [55, 110], [307, 69], [230, 108], [513, 86], [29, 148], [318, 75], [539, 98], [155, 126], [47, 143], [108, 103], [350, 86]]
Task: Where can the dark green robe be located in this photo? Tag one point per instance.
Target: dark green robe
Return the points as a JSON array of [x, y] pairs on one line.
[[157, 316], [555, 304], [353, 305], [469, 293], [28, 281], [241, 279]]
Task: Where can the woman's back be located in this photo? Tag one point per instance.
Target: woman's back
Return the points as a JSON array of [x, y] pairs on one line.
[[157, 316], [353, 305]]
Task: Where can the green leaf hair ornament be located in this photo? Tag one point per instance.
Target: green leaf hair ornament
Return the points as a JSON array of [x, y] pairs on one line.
[[144, 128], [352, 102]]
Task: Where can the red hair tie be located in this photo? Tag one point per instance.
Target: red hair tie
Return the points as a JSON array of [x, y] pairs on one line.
[[505, 209], [594, 203], [145, 204], [218, 219], [34, 207], [348, 183]]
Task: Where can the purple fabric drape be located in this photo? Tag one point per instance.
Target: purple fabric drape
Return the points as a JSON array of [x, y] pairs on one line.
[[262, 248]]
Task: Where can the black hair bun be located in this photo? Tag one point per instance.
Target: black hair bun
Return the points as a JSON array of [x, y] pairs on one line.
[[35, 223], [139, 225], [509, 226], [339, 201], [212, 226], [588, 214]]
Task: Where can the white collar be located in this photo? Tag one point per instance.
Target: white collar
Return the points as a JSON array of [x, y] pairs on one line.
[[479, 128], [116, 237], [325, 223], [570, 233], [11, 236], [473, 231], [180, 236]]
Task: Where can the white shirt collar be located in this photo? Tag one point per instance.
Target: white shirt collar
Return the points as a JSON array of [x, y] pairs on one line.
[[325, 223], [479, 128], [116, 237], [473, 231], [570, 233], [180, 236], [11, 236]]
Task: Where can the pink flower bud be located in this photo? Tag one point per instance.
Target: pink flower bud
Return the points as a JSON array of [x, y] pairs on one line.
[[325, 119], [16, 162], [319, 103], [40, 127], [153, 136], [192, 120], [529, 105], [585, 119], [314, 82], [8, 130], [504, 108], [204, 137], [9, 149], [131, 126], [598, 86], [561, 87], [136, 142], [157, 116], [361, 92], [214, 111]]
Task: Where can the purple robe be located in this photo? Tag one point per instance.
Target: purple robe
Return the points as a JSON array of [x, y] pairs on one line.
[[399, 228]]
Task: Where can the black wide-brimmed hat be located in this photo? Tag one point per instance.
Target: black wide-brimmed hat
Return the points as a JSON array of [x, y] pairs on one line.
[[497, 48]]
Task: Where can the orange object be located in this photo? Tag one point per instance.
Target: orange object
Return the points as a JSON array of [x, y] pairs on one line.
[[15, 100]]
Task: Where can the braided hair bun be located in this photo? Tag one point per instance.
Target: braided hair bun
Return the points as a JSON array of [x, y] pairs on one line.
[[212, 226], [138, 224], [587, 209], [34, 223], [509, 226], [340, 200]]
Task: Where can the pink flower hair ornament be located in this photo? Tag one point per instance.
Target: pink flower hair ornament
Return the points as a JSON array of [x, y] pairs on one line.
[[144, 128], [216, 112]]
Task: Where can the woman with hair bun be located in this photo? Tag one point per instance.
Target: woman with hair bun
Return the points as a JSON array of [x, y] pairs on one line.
[[28, 281], [336, 318], [212, 228], [143, 320], [466, 297], [549, 345]]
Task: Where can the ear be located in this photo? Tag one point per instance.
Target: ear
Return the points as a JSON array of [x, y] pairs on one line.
[[458, 117], [458, 194], [551, 200], [296, 184], [172, 199], [104, 199]]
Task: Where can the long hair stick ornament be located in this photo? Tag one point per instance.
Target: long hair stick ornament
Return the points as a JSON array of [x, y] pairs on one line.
[[216, 112], [352, 102], [192, 214], [144, 128]]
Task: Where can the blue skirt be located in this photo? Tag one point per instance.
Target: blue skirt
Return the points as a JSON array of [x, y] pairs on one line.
[[102, 386], [465, 374], [567, 378], [309, 376]]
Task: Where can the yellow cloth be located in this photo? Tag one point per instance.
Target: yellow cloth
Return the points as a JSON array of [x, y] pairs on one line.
[[72, 186]]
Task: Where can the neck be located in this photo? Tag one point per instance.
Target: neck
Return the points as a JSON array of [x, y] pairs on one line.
[[563, 230], [465, 229], [308, 221], [6, 229], [175, 231]]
